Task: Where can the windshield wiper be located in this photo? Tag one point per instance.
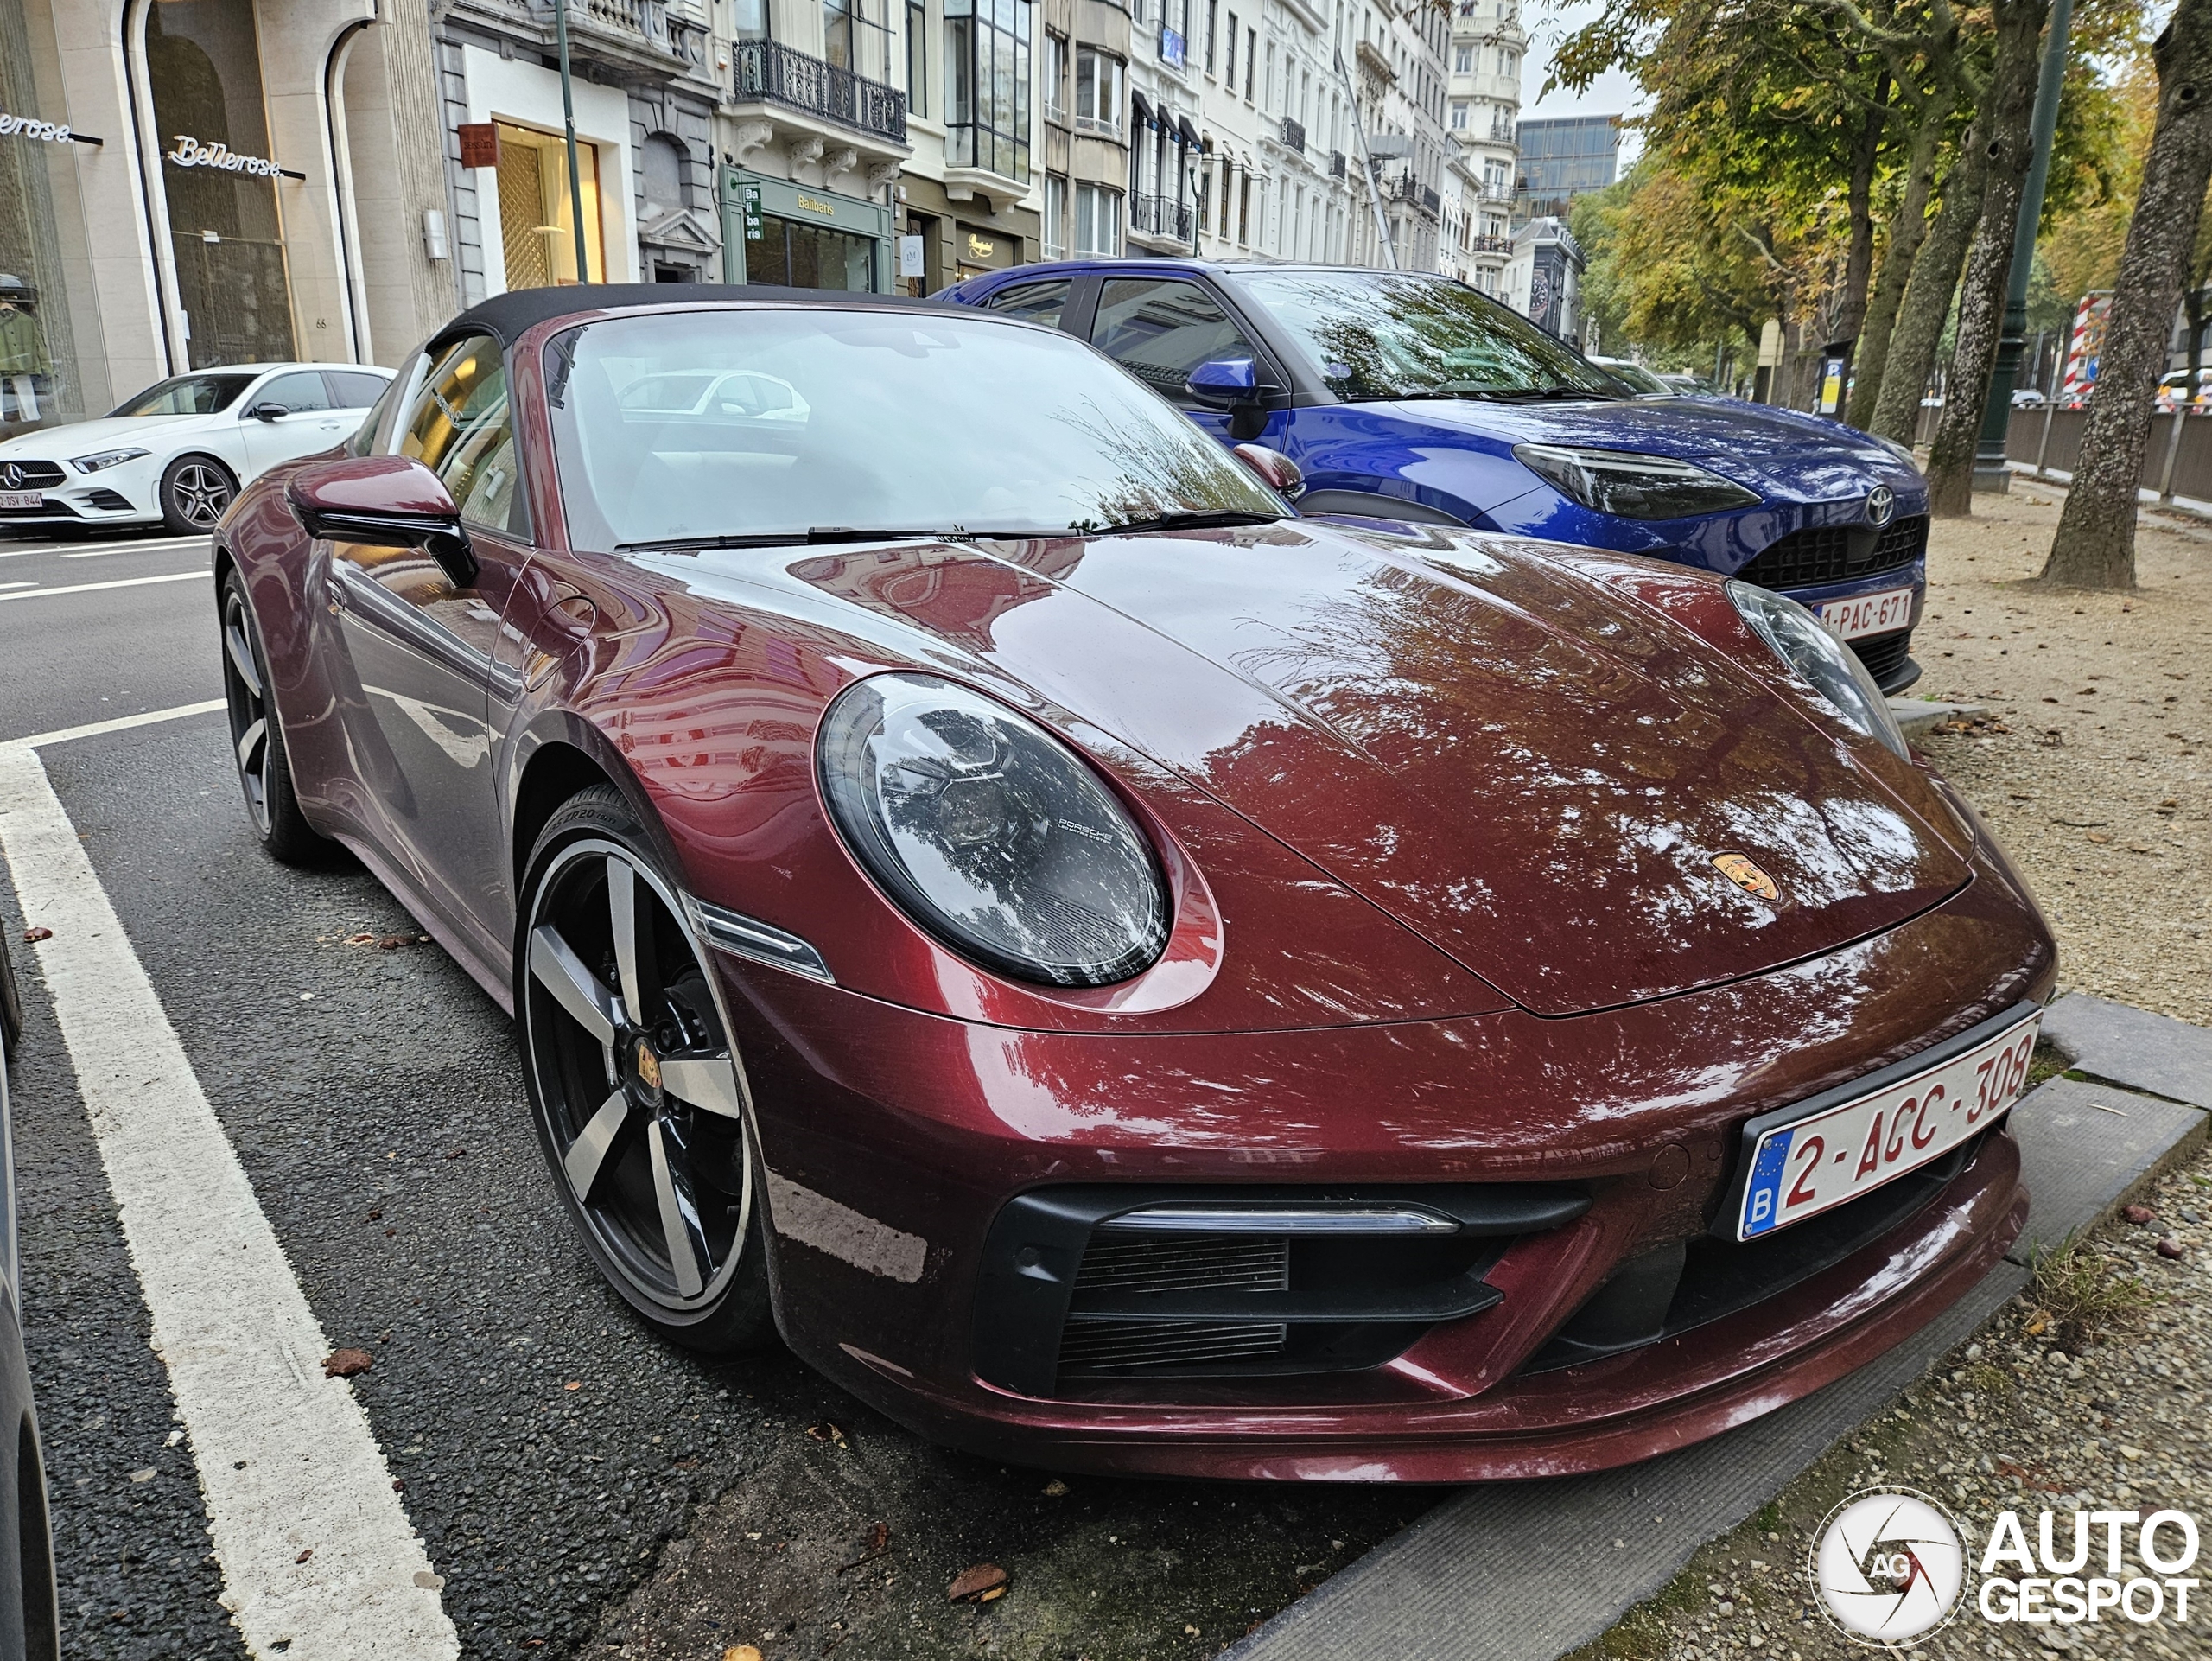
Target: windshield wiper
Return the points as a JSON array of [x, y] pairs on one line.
[[813, 533], [1199, 519], [1508, 394]]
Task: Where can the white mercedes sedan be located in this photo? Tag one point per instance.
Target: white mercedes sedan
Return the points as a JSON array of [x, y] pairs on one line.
[[177, 454]]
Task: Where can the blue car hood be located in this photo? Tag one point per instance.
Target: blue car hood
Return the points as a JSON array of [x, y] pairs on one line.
[[1779, 453]]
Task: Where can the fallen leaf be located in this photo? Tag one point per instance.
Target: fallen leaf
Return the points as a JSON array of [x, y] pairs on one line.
[[304, 1556], [392, 942], [2099, 836], [36, 935], [2138, 1214], [741, 1652], [360, 939], [2038, 1324], [826, 1432], [574, 1384], [1055, 1489], [376, 1216], [980, 1584], [457, 1152], [344, 1364]]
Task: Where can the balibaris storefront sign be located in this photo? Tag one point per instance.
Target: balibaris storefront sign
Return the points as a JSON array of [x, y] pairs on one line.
[[191, 153]]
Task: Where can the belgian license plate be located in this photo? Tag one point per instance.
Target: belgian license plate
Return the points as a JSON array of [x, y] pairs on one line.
[[1869, 614], [21, 498], [1800, 1170]]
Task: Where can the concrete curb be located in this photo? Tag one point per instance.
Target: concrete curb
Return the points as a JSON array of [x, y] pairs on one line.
[[1920, 717], [1528, 1571]]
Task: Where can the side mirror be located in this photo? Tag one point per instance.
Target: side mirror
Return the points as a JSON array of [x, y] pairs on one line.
[[268, 412], [1233, 384], [1273, 470], [388, 501], [1223, 383]]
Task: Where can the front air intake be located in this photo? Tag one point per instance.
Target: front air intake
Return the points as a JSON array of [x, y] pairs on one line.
[[1122, 1266]]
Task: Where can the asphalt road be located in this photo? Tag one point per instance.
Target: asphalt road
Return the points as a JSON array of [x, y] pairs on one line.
[[580, 1487]]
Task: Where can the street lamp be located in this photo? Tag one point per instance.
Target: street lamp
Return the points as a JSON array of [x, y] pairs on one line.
[[568, 126]]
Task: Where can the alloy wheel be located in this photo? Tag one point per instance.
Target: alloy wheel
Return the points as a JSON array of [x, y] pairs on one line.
[[642, 1097], [199, 491], [243, 690]]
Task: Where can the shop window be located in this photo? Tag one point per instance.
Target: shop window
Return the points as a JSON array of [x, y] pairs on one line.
[[987, 85], [461, 429], [537, 212], [1160, 330], [226, 233], [788, 254]]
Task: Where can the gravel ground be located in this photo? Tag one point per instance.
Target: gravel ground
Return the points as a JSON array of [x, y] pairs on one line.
[[2092, 769], [2040, 1411]]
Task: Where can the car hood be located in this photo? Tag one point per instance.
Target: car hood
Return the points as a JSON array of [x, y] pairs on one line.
[[88, 437], [1532, 770], [1778, 452]]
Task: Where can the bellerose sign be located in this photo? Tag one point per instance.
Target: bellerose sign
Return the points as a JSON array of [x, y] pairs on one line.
[[191, 153], [24, 126]]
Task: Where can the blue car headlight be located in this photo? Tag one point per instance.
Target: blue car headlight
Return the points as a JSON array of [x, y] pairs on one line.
[[1631, 485], [1816, 657], [104, 458]]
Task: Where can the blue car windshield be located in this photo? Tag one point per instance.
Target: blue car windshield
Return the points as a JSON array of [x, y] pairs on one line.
[[1395, 334]]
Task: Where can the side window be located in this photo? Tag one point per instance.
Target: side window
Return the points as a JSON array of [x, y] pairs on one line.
[[299, 394], [460, 426], [1161, 328], [1041, 302], [352, 389], [375, 434]]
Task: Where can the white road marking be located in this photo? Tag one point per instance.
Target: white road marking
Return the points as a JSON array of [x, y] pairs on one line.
[[287, 1459], [92, 588], [104, 548], [18, 585], [116, 724]]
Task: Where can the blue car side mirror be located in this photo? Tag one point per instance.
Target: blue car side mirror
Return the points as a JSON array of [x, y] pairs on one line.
[[1224, 381]]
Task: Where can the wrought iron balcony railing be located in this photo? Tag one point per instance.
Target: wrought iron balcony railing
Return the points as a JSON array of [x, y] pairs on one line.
[[1336, 164], [1161, 216], [1293, 134], [771, 71]]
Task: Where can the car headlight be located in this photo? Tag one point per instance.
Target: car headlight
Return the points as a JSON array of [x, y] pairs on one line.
[[104, 458], [990, 833], [1631, 485], [1814, 654], [1902, 452]]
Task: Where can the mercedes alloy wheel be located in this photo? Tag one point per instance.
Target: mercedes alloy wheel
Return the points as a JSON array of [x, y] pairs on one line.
[[195, 490]]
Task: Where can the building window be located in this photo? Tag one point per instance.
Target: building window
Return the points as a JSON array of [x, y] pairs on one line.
[[1097, 90], [1463, 61], [917, 57], [1244, 207], [750, 20], [987, 85], [1055, 216], [537, 210], [852, 40], [1229, 78], [1251, 57], [1098, 219], [1054, 78], [1459, 117], [1213, 17]]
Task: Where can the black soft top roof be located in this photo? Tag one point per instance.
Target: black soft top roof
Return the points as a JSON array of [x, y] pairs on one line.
[[509, 316]]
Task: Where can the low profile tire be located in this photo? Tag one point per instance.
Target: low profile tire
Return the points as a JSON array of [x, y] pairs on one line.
[[11, 1005], [197, 490], [257, 740], [639, 1095]]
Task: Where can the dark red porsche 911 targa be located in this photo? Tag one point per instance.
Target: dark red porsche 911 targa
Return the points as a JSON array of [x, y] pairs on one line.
[[1118, 975]]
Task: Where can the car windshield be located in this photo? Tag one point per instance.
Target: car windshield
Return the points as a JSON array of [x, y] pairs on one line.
[[770, 422], [186, 395], [1389, 335]]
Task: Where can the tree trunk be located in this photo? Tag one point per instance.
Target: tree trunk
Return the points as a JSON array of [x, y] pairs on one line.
[[2095, 544], [1926, 306], [1906, 231], [1859, 258], [2011, 105]]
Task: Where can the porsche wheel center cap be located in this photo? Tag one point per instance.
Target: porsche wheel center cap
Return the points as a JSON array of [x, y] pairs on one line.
[[647, 1065]]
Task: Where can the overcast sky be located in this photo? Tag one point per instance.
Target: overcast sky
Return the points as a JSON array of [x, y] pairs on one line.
[[1615, 93]]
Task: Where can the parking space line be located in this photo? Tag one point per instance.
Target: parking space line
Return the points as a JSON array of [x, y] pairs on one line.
[[113, 725], [120, 582], [139, 546], [319, 1561]]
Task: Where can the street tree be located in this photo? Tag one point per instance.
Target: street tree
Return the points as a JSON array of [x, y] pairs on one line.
[[2094, 547]]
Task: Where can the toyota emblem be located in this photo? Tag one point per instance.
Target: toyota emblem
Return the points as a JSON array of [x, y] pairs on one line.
[[1881, 502]]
